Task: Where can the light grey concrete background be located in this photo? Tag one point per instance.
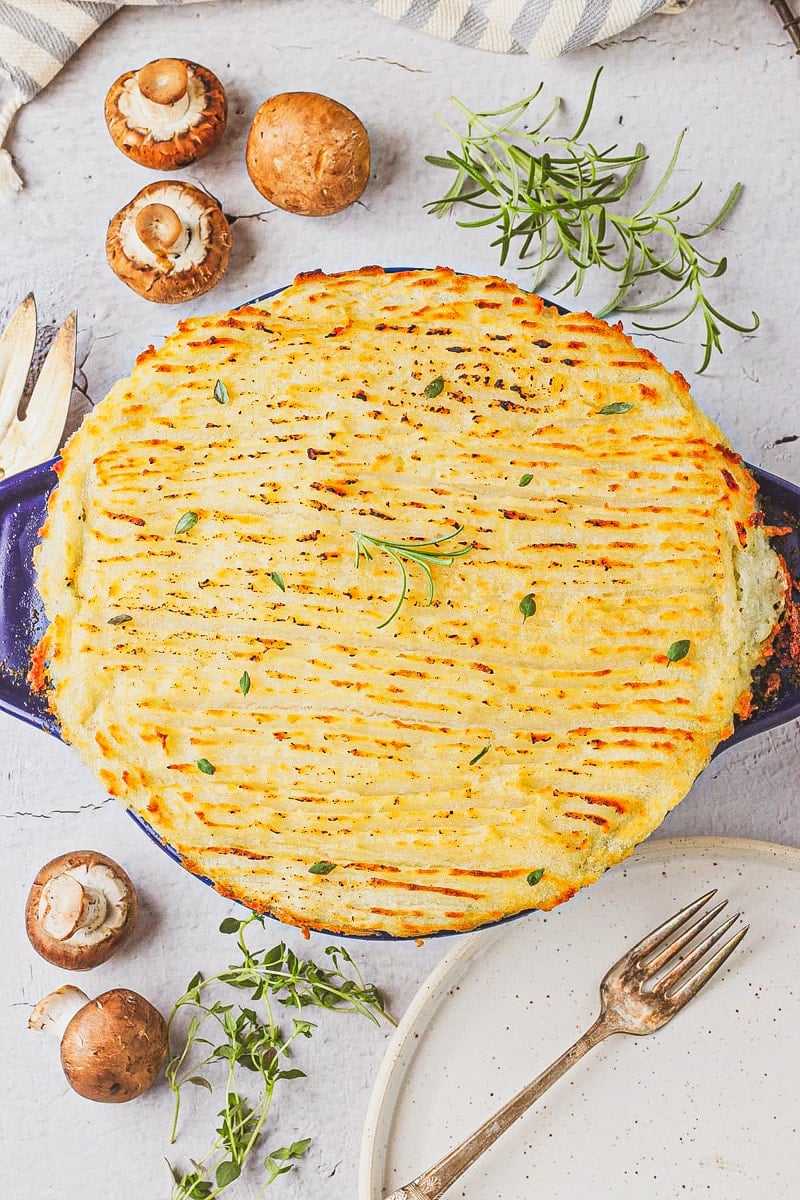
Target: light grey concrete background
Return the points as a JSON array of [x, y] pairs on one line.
[[726, 73]]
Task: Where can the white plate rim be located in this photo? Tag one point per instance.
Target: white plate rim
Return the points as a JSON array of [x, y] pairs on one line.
[[429, 995]]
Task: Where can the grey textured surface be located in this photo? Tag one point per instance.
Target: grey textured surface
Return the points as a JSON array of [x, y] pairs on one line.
[[726, 73]]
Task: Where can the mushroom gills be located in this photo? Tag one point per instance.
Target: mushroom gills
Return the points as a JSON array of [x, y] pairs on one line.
[[162, 121], [171, 233]]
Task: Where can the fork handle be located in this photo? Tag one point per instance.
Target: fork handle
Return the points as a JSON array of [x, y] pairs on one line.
[[435, 1182]]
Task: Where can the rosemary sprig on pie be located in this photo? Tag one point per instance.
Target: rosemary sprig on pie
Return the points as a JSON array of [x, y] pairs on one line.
[[424, 554]]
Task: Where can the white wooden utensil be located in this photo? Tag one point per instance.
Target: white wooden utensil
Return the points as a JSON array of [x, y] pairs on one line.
[[35, 438]]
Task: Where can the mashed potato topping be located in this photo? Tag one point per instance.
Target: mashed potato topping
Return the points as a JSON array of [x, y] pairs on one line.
[[236, 683]]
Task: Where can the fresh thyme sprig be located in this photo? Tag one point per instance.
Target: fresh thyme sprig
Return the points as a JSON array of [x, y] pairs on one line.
[[249, 1039], [421, 553], [562, 197]]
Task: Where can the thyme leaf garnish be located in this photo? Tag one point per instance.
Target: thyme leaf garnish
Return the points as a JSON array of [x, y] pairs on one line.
[[527, 606], [206, 767], [120, 619], [562, 198], [434, 388], [533, 877], [423, 554], [221, 392], [678, 650], [525, 479], [321, 868], [477, 758], [277, 578], [244, 683], [612, 409], [187, 522], [212, 1032]]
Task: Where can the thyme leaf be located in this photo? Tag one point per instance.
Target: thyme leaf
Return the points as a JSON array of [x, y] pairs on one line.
[[277, 578], [678, 650], [562, 200], [244, 683], [527, 606], [187, 522], [525, 479], [321, 868], [278, 1162], [212, 1031], [612, 409], [206, 767], [533, 877], [424, 554], [221, 392], [120, 619], [434, 388]]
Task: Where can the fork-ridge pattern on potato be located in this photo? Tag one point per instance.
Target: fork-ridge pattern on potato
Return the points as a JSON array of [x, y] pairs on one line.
[[349, 791]]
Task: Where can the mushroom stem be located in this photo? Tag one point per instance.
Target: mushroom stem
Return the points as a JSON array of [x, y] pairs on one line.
[[165, 83], [159, 227], [67, 906], [53, 1014]]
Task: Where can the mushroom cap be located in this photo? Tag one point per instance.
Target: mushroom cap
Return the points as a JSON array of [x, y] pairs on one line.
[[185, 130], [83, 948], [308, 154], [114, 1047], [190, 267]]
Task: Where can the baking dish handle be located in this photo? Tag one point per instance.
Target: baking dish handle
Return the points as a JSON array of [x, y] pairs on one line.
[[23, 507]]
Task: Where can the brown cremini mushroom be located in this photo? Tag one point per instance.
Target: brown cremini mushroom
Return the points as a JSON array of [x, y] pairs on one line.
[[170, 243], [167, 114], [308, 154], [112, 1048], [80, 908]]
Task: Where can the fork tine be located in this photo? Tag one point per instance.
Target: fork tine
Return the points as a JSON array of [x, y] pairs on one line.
[[701, 977], [49, 402], [685, 964], [16, 352], [652, 965], [655, 938]]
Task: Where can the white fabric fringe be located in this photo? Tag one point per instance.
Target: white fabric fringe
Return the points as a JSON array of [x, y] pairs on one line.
[[10, 181]]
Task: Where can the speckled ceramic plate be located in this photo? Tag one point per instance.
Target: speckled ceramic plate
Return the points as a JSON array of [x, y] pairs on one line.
[[707, 1107]]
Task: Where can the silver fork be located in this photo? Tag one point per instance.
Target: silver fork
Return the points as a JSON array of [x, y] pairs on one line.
[[637, 996], [24, 443]]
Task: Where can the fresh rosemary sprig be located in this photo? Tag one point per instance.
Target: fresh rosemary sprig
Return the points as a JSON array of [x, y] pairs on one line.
[[422, 553], [562, 197], [248, 1038]]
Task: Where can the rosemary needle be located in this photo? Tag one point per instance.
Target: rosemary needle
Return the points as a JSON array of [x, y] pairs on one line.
[[424, 554], [561, 199]]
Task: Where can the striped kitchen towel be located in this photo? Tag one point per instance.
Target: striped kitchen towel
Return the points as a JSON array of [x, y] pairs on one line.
[[38, 36]]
